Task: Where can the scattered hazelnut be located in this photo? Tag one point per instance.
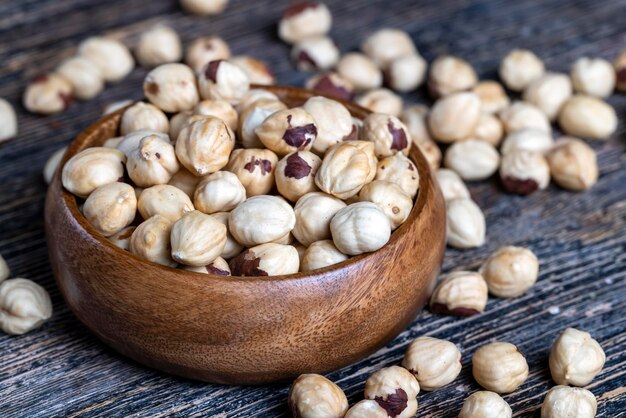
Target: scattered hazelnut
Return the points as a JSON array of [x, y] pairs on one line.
[[385, 45], [510, 271], [304, 20], [499, 367], [548, 93], [204, 7], [589, 117], [493, 98], [451, 184], [197, 239], [519, 68], [454, 117], [143, 116], [394, 389], [472, 159], [522, 115], [261, 219], [381, 100], [415, 118], [360, 70], [151, 240], [165, 200], [111, 208], [24, 306], [434, 362], [346, 168], [489, 129], [431, 152], [48, 94], [331, 84], [360, 228], [460, 293], [522, 172], [8, 121], [220, 109], [566, 402], [575, 358], [219, 192], [110, 56], [388, 134], [528, 139], [465, 223], [4, 269], [390, 198], [573, 164], [295, 174], [620, 70], [83, 75], [204, 145], [485, 404], [232, 247], [222, 80], [253, 96], [218, 267], [311, 54], [52, 164], [333, 121], [593, 76], [257, 71], [92, 168], [115, 106], [406, 73], [314, 212], [270, 259], [449, 74], [366, 408], [121, 239], [287, 131], [171, 87], [314, 396], [400, 170], [204, 50], [255, 169], [130, 142], [159, 45], [185, 181], [152, 162], [321, 254]]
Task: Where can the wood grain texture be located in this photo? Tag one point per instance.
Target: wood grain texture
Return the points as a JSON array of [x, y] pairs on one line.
[[63, 370]]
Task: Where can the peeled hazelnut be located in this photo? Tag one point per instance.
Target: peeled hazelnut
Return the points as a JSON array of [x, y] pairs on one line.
[[415, 119], [252, 117], [219, 267], [197, 239], [522, 172], [485, 404], [219, 192], [159, 45], [472, 159], [152, 162], [314, 212], [112, 57], [434, 362], [529, 139], [304, 20], [381, 100], [575, 358], [573, 164], [588, 117], [567, 402], [4, 269], [130, 142], [204, 145], [261, 219], [254, 168], [319, 53], [460, 293], [331, 84], [83, 75], [171, 87], [295, 174], [493, 98], [253, 96], [360, 70], [454, 117], [522, 115], [321, 254], [287, 131], [394, 389], [499, 367], [465, 223], [314, 396], [400, 170], [385, 45], [113, 142], [52, 164], [121, 239], [143, 116], [232, 247], [24, 306], [406, 73], [489, 129], [510, 271], [164, 200], [388, 134], [431, 152], [115, 106], [360, 228], [333, 121], [593, 76], [8, 121], [204, 50], [451, 185], [204, 7], [390, 198], [92, 168], [257, 71], [185, 181], [519, 68], [270, 259], [620, 70], [111, 207], [219, 109], [222, 80], [449, 75], [48, 94], [366, 408], [346, 168], [549, 92], [151, 240]]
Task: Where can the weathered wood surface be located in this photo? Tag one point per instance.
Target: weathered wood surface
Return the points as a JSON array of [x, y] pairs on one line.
[[62, 370]]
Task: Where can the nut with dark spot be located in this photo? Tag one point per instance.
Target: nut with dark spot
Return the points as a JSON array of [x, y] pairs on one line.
[[171, 87], [269, 259], [460, 293], [332, 85], [204, 50], [388, 134], [287, 131], [223, 80], [295, 174], [218, 267], [394, 389], [312, 54], [255, 169], [304, 20], [522, 172], [48, 94]]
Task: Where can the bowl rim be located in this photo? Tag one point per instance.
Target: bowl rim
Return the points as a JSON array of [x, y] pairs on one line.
[[70, 203]]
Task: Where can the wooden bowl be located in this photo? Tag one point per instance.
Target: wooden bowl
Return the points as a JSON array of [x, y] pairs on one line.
[[240, 330]]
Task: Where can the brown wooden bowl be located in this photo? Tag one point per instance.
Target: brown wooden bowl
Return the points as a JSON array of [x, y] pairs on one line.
[[242, 330]]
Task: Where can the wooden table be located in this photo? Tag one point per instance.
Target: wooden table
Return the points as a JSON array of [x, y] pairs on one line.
[[62, 370]]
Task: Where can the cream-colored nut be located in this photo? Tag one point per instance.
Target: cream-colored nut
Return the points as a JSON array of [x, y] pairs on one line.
[[24, 306], [529, 139], [178, 122], [454, 117], [287, 131], [510, 271], [121, 239], [197, 239], [311, 54], [415, 119], [92, 168], [52, 164], [449, 74], [152, 162], [381, 100], [204, 50], [171, 87], [346, 168], [321, 254], [8, 121], [219, 109], [111, 207], [83, 75], [620, 71], [222, 80], [431, 152], [253, 96], [314, 212], [389, 135], [575, 358], [4, 269], [366, 408], [394, 389], [588, 117], [549, 92], [144, 116], [219, 192], [451, 185], [130, 142], [522, 115], [48, 94], [360, 70], [434, 362], [385, 45], [573, 164], [406, 73], [164, 200], [151, 240], [113, 142], [270, 259], [400, 170], [218, 267], [204, 145], [258, 71], [360, 228], [185, 181], [333, 121], [460, 293], [493, 98], [519, 68], [499, 367], [390, 198], [232, 247], [261, 219], [472, 159], [489, 129], [254, 168], [204, 7], [115, 106], [567, 402], [465, 223], [295, 174], [593, 76], [522, 172], [159, 45], [314, 396], [303, 21], [111, 56], [485, 404], [331, 84], [252, 117]]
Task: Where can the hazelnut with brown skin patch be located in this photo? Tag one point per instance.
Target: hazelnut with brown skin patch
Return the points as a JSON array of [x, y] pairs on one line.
[[449, 74], [171, 87], [400, 170], [333, 120], [394, 389], [268, 259], [164, 200], [204, 145], [522, 172], [331, 84], [121, 239], [111, 56], [314, 212], [222, 80], [255, 169], [158, 45], [304, 20], [197, 239], [389, 135], [83, 75], [92, 168], [143, 116], [460, 293], [258, 71], [111, 207], [201, 51], [218, 267], [151, 240], [48, 94], [381, 100], [499, 367], [360, 70], [287, 131], [295, 174], [261, 219], [219, 192], [385, 45], [313, 54], [346, 168]]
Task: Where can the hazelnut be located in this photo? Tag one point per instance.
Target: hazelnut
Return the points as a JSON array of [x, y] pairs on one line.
[[522, 172], [143, 116], [485, 404], [314, 212], [48, 94], [130, 142], [185, 181], [465, 223], [333, 121], [360, 228], [83, 75], [311, 54], [204, 145], [449, 74], [451, 185], [400, 170], [519, 68], [159, 45], [111, 208], [331, 84], [197, 239], [360, 70], [4, 269], [171, 87], [385, 45], [573, 164], [179, 121], [218, 267], [164, 200], [258, 72], [232, 247], [204, 7], [92, 168], [566, 402], [152, 162], [522, 115], [8, 121], [270, 259], [489, 129], [499, 367], [321, 254], [406, 73], [220, 109], [254, 168], [388, 134], [314, 396], [121, 239], [548, 93], [151, 240], [460, 293], [287, 131], [434, 362], [431, 152], [529, 139], [115, 106], [620, 70], [589, 117], [219, 192], [252, 117], [366, 408], [575, 358], [110, 56], [222, 80], [454, 117], [472, 159], [510, 271], [204, 50], [113, 142], [593, 76], [346, 168], [253, 96], [381, 100], [24, 306], [304, 20], [295, 174], [415, 118], [52, 164], [395, 390], [261, 219], [493, 98], [390, 198]]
